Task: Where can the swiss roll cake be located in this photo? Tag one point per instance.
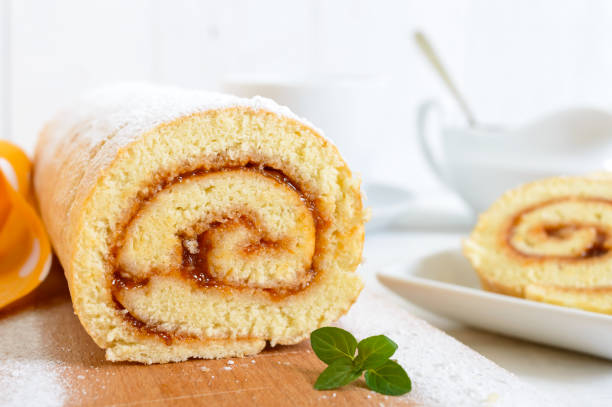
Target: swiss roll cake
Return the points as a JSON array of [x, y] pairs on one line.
[[197, 225], [550, 241]]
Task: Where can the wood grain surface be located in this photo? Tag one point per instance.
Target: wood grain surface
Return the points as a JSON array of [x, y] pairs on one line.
[[280, 376]]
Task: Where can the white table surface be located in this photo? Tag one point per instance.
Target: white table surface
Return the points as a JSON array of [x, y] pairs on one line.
[[582, 380]]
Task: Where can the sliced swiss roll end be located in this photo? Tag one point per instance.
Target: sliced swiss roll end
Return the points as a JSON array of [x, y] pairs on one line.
[[550, 241], [194, 224]]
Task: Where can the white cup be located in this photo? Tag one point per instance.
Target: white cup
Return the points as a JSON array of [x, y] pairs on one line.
[[480, 164], [344, 107]]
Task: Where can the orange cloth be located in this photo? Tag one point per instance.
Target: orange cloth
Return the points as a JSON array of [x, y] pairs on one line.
[[25, 253]]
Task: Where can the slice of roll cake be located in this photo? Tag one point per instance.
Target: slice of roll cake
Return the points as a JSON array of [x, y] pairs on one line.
[[193, 224], [549, 241]]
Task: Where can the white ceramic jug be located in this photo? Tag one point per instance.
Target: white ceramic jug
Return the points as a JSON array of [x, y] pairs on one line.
[[480, 164]]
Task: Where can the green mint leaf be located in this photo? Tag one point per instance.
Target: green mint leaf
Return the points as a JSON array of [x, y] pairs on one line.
[[374, 351], [390, 379], [331, 344], [338, 374]]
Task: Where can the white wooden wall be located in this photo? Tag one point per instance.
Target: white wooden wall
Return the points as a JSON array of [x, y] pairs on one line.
[[514, 59]]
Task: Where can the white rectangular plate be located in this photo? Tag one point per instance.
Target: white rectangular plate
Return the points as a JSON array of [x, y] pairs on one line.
[[445, 283]]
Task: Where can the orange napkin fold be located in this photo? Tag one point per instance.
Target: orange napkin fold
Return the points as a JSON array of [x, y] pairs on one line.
[[25, 252]]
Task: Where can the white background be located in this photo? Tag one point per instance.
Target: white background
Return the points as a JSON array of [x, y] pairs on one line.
[[514, 60]]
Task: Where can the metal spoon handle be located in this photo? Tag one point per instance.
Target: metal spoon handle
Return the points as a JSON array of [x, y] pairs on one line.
[[435, 61]]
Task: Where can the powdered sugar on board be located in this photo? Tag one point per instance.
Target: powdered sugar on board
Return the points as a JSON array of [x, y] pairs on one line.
[[444, 372], [30, 383], [28, 377]]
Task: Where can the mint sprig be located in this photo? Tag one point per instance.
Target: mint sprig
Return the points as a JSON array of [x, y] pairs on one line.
[[389, 378], [338, 374], [337, 347], [331, 344]]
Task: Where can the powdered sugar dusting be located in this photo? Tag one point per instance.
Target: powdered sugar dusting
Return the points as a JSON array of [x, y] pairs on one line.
[[27, 377], [30, 383], [125, 111], [444, 372]]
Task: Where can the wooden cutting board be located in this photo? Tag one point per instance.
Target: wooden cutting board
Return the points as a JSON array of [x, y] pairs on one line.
[[281, 376], [46, 358]]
